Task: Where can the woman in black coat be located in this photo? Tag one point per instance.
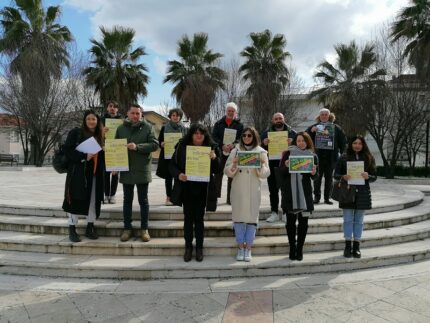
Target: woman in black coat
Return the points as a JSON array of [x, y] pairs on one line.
[[83, 192], [173, 126], [296, 189], [194, 196], [353, 213]]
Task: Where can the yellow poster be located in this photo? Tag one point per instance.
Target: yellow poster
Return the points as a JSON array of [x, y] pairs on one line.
[[170, 140], [354, 169], [116, 155], [198, 163], [278, 143], [229, 136], [112, 124]]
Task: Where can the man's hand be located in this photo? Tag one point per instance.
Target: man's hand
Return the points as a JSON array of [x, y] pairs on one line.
[[365, 175], [162, 144], [132, 146], [266, 141], [182, 177], [346, 177], [314, 129]]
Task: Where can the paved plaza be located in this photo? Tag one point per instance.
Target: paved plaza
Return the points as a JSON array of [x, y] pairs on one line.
[[398, 293]]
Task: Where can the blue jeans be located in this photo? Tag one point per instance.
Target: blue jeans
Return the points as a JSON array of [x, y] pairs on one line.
[[142, 195], [245, 233], [353, 224]]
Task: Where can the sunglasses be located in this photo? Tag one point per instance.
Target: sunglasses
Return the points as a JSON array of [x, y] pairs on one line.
[[247, 135]]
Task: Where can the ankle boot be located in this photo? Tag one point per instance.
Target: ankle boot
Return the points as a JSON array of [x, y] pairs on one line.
[[356, 249], [91, 232], [199, 254], [302, 231], [188, 254], [293, 251], [73, 236], [347, 251], [291, 233]]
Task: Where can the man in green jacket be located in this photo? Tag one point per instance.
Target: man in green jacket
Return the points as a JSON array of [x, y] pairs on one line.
[[141, 143]]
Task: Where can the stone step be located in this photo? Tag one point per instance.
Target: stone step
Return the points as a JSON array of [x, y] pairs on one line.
[[153, 267], [164, 229], [388, 202], [264, 245]]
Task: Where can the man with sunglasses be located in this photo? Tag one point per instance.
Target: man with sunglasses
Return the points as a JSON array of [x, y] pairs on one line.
[[278, 124], [229, 121]]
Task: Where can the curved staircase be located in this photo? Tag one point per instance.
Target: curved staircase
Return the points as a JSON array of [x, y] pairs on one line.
[[34, 241]]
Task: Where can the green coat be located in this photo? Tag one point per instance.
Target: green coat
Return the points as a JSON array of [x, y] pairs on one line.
[[139, 161]]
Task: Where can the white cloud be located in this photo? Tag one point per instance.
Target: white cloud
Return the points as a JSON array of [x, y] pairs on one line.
[[160, 65], [311, 27]]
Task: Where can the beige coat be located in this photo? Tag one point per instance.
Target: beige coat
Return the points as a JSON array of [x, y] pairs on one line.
[[245, 193]]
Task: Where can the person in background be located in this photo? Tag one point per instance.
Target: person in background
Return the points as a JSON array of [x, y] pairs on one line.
[[246, 192], [194, 196], [83, 192], [327, 157], [229, 121], [278, 124], [353, 213], [296, 191], [110, 179], [173, 126], [141, 143]]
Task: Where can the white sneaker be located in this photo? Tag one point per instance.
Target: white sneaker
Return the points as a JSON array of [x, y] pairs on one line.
[[240, 254], [274, 217], [284, 217], [112, 200], [248, 256]]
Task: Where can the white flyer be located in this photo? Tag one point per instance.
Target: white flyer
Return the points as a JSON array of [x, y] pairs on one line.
[[89, 146]]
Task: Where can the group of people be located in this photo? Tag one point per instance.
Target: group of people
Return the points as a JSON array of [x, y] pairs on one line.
[[88, 184]]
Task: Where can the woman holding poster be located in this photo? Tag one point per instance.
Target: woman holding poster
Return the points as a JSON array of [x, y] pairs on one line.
[[297, 169], [353, 213], [170, 133], [83, 193], [247, 165], [196, 193]]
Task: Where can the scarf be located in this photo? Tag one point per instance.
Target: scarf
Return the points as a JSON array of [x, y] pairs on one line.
[[297, 193]]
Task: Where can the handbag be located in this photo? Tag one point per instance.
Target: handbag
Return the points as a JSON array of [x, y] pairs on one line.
[[343, 192]]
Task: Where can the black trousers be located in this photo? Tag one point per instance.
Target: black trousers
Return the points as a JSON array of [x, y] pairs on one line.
[[301, 230], [273, 189], [326, 168], [194, 211], [110, 185], [218, 179], [168, 183]]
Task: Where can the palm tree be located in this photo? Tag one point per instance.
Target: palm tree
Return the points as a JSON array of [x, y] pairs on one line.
[[344, 83], [266, 71], [34, 41], [116, 73], [195, 76], [413, 24]]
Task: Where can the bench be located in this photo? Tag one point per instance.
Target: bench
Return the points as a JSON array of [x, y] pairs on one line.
[[9, 158]]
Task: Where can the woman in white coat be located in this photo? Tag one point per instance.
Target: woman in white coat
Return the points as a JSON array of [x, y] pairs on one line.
[[246, 192]]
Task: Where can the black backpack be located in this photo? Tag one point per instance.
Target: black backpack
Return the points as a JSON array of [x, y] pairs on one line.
[[60, 161]]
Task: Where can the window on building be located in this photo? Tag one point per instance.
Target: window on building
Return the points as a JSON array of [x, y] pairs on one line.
[[14, 136]]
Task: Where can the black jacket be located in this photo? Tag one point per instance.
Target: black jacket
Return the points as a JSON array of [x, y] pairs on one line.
[[163, 164], [291, 134], [284, 183], [177, 166], [79, 180], [363, 197], [221, 125]]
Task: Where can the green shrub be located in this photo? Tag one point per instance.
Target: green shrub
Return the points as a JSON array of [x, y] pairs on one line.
[[404, 171]]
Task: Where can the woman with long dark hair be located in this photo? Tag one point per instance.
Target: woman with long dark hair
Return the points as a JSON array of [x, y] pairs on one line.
[[84, 182], [353, 213], [296, 190], [246, 191], [194, 196]]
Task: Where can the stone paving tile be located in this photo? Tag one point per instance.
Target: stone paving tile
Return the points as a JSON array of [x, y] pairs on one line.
[[395, 313], [14, 314], [360, 316], [414, 299], [253, 307]]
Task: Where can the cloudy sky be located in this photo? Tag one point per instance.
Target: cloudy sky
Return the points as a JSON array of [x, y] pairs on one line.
[[311, 27]]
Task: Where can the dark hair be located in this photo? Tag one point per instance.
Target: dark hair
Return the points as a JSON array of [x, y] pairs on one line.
[[98, 132], [135, 105], [188, 138], [115, 104], [306, 137], [255, 137], [364, 153], [178, 111]]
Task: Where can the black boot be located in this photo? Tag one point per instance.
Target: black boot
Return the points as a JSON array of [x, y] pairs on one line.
[[73, 236], [347, 251], [356, 249], [199, 254], [291, 233], [302, 231], [90, 232], [188, 254]]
